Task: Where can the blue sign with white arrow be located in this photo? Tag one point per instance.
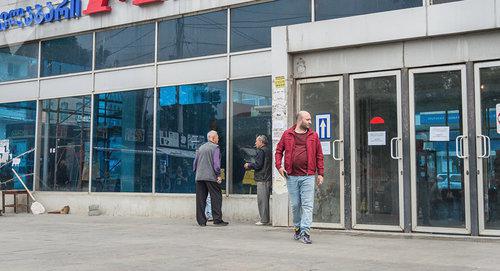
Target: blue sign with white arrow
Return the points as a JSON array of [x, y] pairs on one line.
[[323, 126]]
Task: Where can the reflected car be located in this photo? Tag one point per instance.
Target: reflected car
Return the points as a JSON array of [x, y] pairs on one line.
[[454, 184]]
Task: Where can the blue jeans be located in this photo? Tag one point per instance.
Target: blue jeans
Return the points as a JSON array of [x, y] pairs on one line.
[[301, 191]]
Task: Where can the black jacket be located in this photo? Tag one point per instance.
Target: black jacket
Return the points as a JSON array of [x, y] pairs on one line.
[[263, 165]]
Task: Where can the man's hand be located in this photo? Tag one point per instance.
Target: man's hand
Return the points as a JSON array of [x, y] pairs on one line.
[[219, 180], [319, 180], [282, 172]]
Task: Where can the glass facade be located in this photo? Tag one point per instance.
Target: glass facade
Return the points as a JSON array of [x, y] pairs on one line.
[[123, 142], [251, 117], [65, 144], [251, 25], [440, 182], [185, 115], [67, 55], [17, 139], [127, 46], [19, 62], [193, 36], [333, 9]]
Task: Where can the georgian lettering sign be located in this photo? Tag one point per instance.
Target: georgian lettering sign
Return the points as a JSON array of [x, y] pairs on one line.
[[52, 12], [29, 16]]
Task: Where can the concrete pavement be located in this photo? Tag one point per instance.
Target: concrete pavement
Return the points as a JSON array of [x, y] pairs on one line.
[[58, 242]]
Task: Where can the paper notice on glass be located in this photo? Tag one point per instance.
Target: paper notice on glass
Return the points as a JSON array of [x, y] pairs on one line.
[[439, 133], [498, 118], [16, 162], [376, 138], [325, 146]]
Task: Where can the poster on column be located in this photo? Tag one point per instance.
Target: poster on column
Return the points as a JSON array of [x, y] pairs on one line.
[[4, 151]]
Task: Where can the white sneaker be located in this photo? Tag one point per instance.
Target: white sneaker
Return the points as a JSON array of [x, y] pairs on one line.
[[261, 224]]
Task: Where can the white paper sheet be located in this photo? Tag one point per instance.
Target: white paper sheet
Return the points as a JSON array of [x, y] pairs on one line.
[[326, 148], [377, 138], [439, 133]]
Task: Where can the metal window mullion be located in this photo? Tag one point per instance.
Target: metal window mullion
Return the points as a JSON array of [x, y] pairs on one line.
[[91, 151], [155, 109], [229, 159], [36, 163], [313, 11]]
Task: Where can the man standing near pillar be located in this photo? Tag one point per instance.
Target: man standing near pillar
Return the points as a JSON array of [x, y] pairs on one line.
[[303, 155], [208, 180]]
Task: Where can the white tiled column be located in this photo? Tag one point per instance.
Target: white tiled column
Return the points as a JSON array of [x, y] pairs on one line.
[[282, 111]]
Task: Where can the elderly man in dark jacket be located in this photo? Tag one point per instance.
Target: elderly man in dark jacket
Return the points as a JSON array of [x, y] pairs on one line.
[[263, 177]]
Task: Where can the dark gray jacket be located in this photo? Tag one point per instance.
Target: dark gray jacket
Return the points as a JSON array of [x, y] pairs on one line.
[[207, 162], [263, 165]]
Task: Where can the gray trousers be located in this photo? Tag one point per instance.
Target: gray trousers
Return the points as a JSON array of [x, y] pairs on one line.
[[263, 193]]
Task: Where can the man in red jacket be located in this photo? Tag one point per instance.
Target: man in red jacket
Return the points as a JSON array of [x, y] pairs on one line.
[[303, 161]]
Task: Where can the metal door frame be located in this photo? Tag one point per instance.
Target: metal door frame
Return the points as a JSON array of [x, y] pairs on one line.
[[338, 79], [480, 187], [415, 227], [400, 227]]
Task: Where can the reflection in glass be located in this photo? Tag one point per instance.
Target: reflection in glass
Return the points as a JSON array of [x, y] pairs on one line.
[[251, 117], [251, 25], [193, 36], [377, 186], [123, 142], [67, 55], [323, 98], [17, 136], [19, 62], [126, 46], [490, 98], [185, 115], [65, 144], [434, 2], [440, 184], [332, 9]]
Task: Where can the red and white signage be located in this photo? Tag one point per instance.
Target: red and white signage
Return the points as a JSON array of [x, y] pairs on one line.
[[102, 6]]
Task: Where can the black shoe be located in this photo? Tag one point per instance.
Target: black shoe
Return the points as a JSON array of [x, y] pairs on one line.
[[202, 225], [222, 223], [306, 239], [296, 233]]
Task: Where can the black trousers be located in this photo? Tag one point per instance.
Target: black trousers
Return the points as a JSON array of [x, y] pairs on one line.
[[202, 190]]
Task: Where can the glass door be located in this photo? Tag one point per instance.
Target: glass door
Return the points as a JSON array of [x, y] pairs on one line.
[[322, 98], [488, 145], [376, 151], [440, 175]]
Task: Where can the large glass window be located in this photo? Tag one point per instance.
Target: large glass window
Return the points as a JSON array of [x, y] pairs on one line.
[[251, 25], [17, 137], [127, 46], [185, 115], [19, 62], [251, 117], [67, 55], [123, 142], [65, 144], [193, 36], [332, 9]]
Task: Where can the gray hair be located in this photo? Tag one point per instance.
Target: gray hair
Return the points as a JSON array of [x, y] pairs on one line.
[[263, 139], [211, 134]]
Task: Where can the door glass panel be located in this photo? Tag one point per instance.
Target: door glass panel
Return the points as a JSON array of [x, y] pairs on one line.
[[323, 98], [438, 122], [490, 100], [376, 123]]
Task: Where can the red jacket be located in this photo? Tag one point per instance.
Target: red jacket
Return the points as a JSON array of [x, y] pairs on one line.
[[315, 162]]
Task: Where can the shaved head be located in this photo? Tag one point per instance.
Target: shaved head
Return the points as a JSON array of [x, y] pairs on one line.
[[303, 120]]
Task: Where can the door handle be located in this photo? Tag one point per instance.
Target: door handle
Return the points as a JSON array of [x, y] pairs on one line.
[[483, 142], [459, 146], [397, 156], [488, 144], [334, 150]]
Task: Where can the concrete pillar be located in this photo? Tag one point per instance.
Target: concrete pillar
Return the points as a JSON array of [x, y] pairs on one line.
[[282, 115]]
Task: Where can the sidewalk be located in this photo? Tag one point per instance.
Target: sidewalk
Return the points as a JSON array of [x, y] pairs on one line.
[[58, 242]]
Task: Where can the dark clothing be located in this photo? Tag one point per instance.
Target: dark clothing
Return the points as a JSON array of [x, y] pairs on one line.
[[299, 164], [202, 190], [287, 146], [207, 162], [263, 165], [263, 194]]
